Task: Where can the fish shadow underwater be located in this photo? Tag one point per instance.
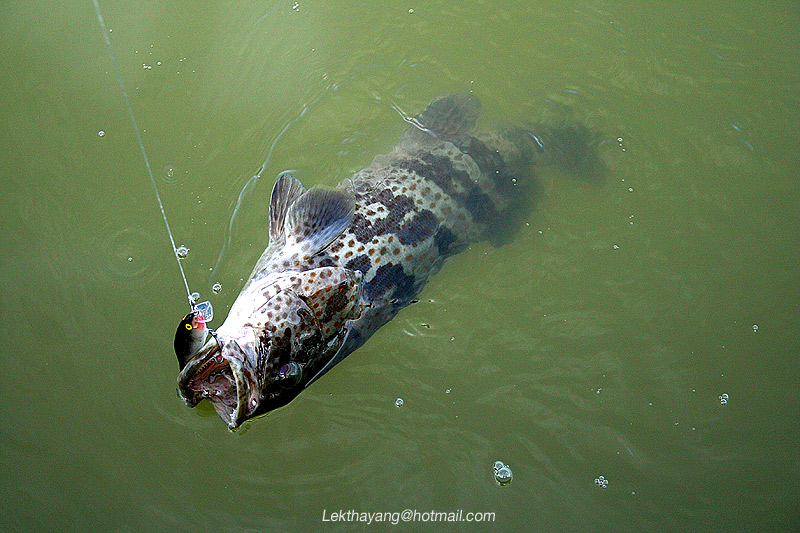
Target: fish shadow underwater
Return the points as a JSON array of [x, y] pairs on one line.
[[342, 262]]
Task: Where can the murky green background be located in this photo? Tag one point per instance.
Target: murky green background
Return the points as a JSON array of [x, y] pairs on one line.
[[597, 343]]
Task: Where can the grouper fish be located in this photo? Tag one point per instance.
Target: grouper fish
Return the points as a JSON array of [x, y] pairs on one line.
[[342, 262]]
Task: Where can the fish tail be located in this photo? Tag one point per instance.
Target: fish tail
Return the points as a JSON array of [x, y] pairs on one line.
[[509, 157], [570, 145]]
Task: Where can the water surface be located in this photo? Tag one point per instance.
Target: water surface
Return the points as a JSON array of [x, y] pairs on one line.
[[598, 342]]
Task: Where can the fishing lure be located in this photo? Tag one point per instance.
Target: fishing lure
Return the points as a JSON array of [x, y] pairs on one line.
[[190, 336]]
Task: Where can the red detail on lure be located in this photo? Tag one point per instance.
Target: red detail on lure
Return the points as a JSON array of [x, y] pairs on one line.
[[198, 321]]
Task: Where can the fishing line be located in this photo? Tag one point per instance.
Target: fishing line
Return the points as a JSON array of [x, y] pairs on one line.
[[125, 97]]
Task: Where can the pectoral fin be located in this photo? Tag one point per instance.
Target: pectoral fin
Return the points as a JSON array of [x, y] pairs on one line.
[[351, 342]]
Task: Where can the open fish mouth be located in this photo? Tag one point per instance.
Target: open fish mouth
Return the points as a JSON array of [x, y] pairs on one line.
[[222, 378]]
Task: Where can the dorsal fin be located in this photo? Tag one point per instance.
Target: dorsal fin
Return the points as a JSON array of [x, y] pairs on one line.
[[316, 218], [286, 190], [451, 115]]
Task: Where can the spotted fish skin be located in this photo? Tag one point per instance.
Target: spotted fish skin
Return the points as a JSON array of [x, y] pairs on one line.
[[341, 263]]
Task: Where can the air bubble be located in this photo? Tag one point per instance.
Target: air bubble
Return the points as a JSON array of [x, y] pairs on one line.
[[101, 133], [504, 475], [182, 251], [215, 288], [399, 402]]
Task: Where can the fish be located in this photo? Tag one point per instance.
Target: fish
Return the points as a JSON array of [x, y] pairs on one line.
[[342, 262]]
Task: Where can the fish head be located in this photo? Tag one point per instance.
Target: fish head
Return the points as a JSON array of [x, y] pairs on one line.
[[262, 358], [220, 373]]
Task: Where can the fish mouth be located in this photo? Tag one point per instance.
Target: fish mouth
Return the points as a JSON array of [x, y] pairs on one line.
[[223, 377]]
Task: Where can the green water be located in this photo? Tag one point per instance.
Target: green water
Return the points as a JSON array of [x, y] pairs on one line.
[[597, 343]]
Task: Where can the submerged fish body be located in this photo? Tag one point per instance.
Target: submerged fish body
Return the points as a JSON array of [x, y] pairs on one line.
[[342, 262]]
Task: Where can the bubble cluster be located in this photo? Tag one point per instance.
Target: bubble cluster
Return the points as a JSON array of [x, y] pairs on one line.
[[502, 473], [399, 402], [182, 251], [723, 399], [601, 482]]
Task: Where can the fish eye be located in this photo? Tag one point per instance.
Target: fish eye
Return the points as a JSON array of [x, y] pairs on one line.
[[289, 374]]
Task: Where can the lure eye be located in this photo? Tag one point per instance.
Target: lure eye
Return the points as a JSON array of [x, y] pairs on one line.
[[189, 327]]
